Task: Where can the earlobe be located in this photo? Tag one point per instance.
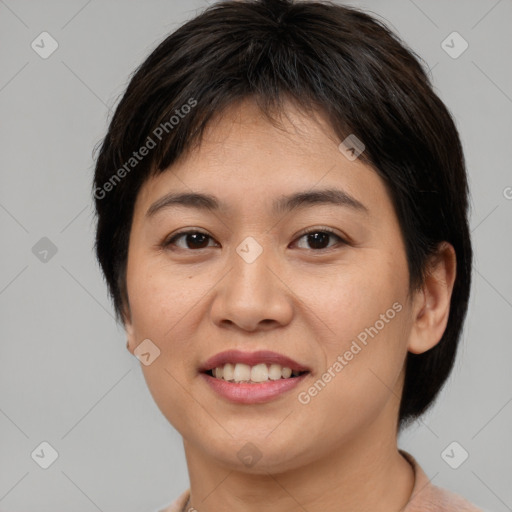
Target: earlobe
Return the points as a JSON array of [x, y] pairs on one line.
[[130, 341], [432, 302]]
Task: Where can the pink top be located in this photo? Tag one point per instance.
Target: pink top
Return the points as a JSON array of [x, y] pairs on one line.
[[425, 496]]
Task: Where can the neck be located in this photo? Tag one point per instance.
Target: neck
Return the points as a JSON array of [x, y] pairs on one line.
[[363, 474]]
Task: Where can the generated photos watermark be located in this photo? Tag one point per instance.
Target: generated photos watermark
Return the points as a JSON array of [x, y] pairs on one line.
[[357, 345], [151, 143]]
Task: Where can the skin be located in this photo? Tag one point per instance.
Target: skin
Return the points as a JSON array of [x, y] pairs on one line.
[[338, 452]]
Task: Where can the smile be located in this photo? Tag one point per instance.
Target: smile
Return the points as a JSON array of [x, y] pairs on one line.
[[252, 377], [240, 372]]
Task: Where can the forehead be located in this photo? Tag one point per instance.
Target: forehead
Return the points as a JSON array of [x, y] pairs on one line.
[[244, 156]]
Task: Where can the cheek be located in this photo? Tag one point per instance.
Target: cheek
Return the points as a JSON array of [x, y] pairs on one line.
[[163, 305], [363, 319], [160, 296], [349, 299]]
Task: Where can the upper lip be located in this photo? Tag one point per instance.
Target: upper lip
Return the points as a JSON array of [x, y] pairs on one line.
[[251, 359]]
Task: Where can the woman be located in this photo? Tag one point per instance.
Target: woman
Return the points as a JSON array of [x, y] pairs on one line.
[[282, 224]]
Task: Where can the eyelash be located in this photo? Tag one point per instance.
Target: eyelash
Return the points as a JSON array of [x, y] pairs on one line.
[[329, 231]]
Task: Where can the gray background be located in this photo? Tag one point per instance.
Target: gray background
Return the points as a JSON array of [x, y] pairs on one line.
[[65, 374]]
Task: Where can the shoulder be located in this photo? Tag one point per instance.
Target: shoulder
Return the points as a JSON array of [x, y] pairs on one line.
[[178, 504], [427, 497]]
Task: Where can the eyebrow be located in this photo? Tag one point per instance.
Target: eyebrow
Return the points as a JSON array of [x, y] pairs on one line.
[[284, 204]]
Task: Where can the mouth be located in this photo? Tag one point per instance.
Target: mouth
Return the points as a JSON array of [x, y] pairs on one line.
[[257, 380], [254, 368], [257, 374]]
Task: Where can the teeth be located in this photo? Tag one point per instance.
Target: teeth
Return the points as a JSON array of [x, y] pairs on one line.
[[274, 372], [259, 373], [286, 373], [240, 372], [227, 372]]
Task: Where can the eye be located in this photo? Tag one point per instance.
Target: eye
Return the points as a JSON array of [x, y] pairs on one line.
[[192, 240], [196, 240], [319, 238]]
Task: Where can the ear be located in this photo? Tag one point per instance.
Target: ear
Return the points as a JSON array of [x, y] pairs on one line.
[[431, 304], [130, 331]]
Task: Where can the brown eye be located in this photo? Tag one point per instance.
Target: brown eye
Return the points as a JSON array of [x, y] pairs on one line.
[[319, 239], [316, 240], [193, 240]]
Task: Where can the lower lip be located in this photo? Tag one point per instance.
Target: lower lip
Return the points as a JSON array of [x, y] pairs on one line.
[[244, 393]]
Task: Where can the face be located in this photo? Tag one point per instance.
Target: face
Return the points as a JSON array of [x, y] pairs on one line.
[[322, 281]]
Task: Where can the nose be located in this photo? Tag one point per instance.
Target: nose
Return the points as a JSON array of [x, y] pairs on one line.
[[253, 295]]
